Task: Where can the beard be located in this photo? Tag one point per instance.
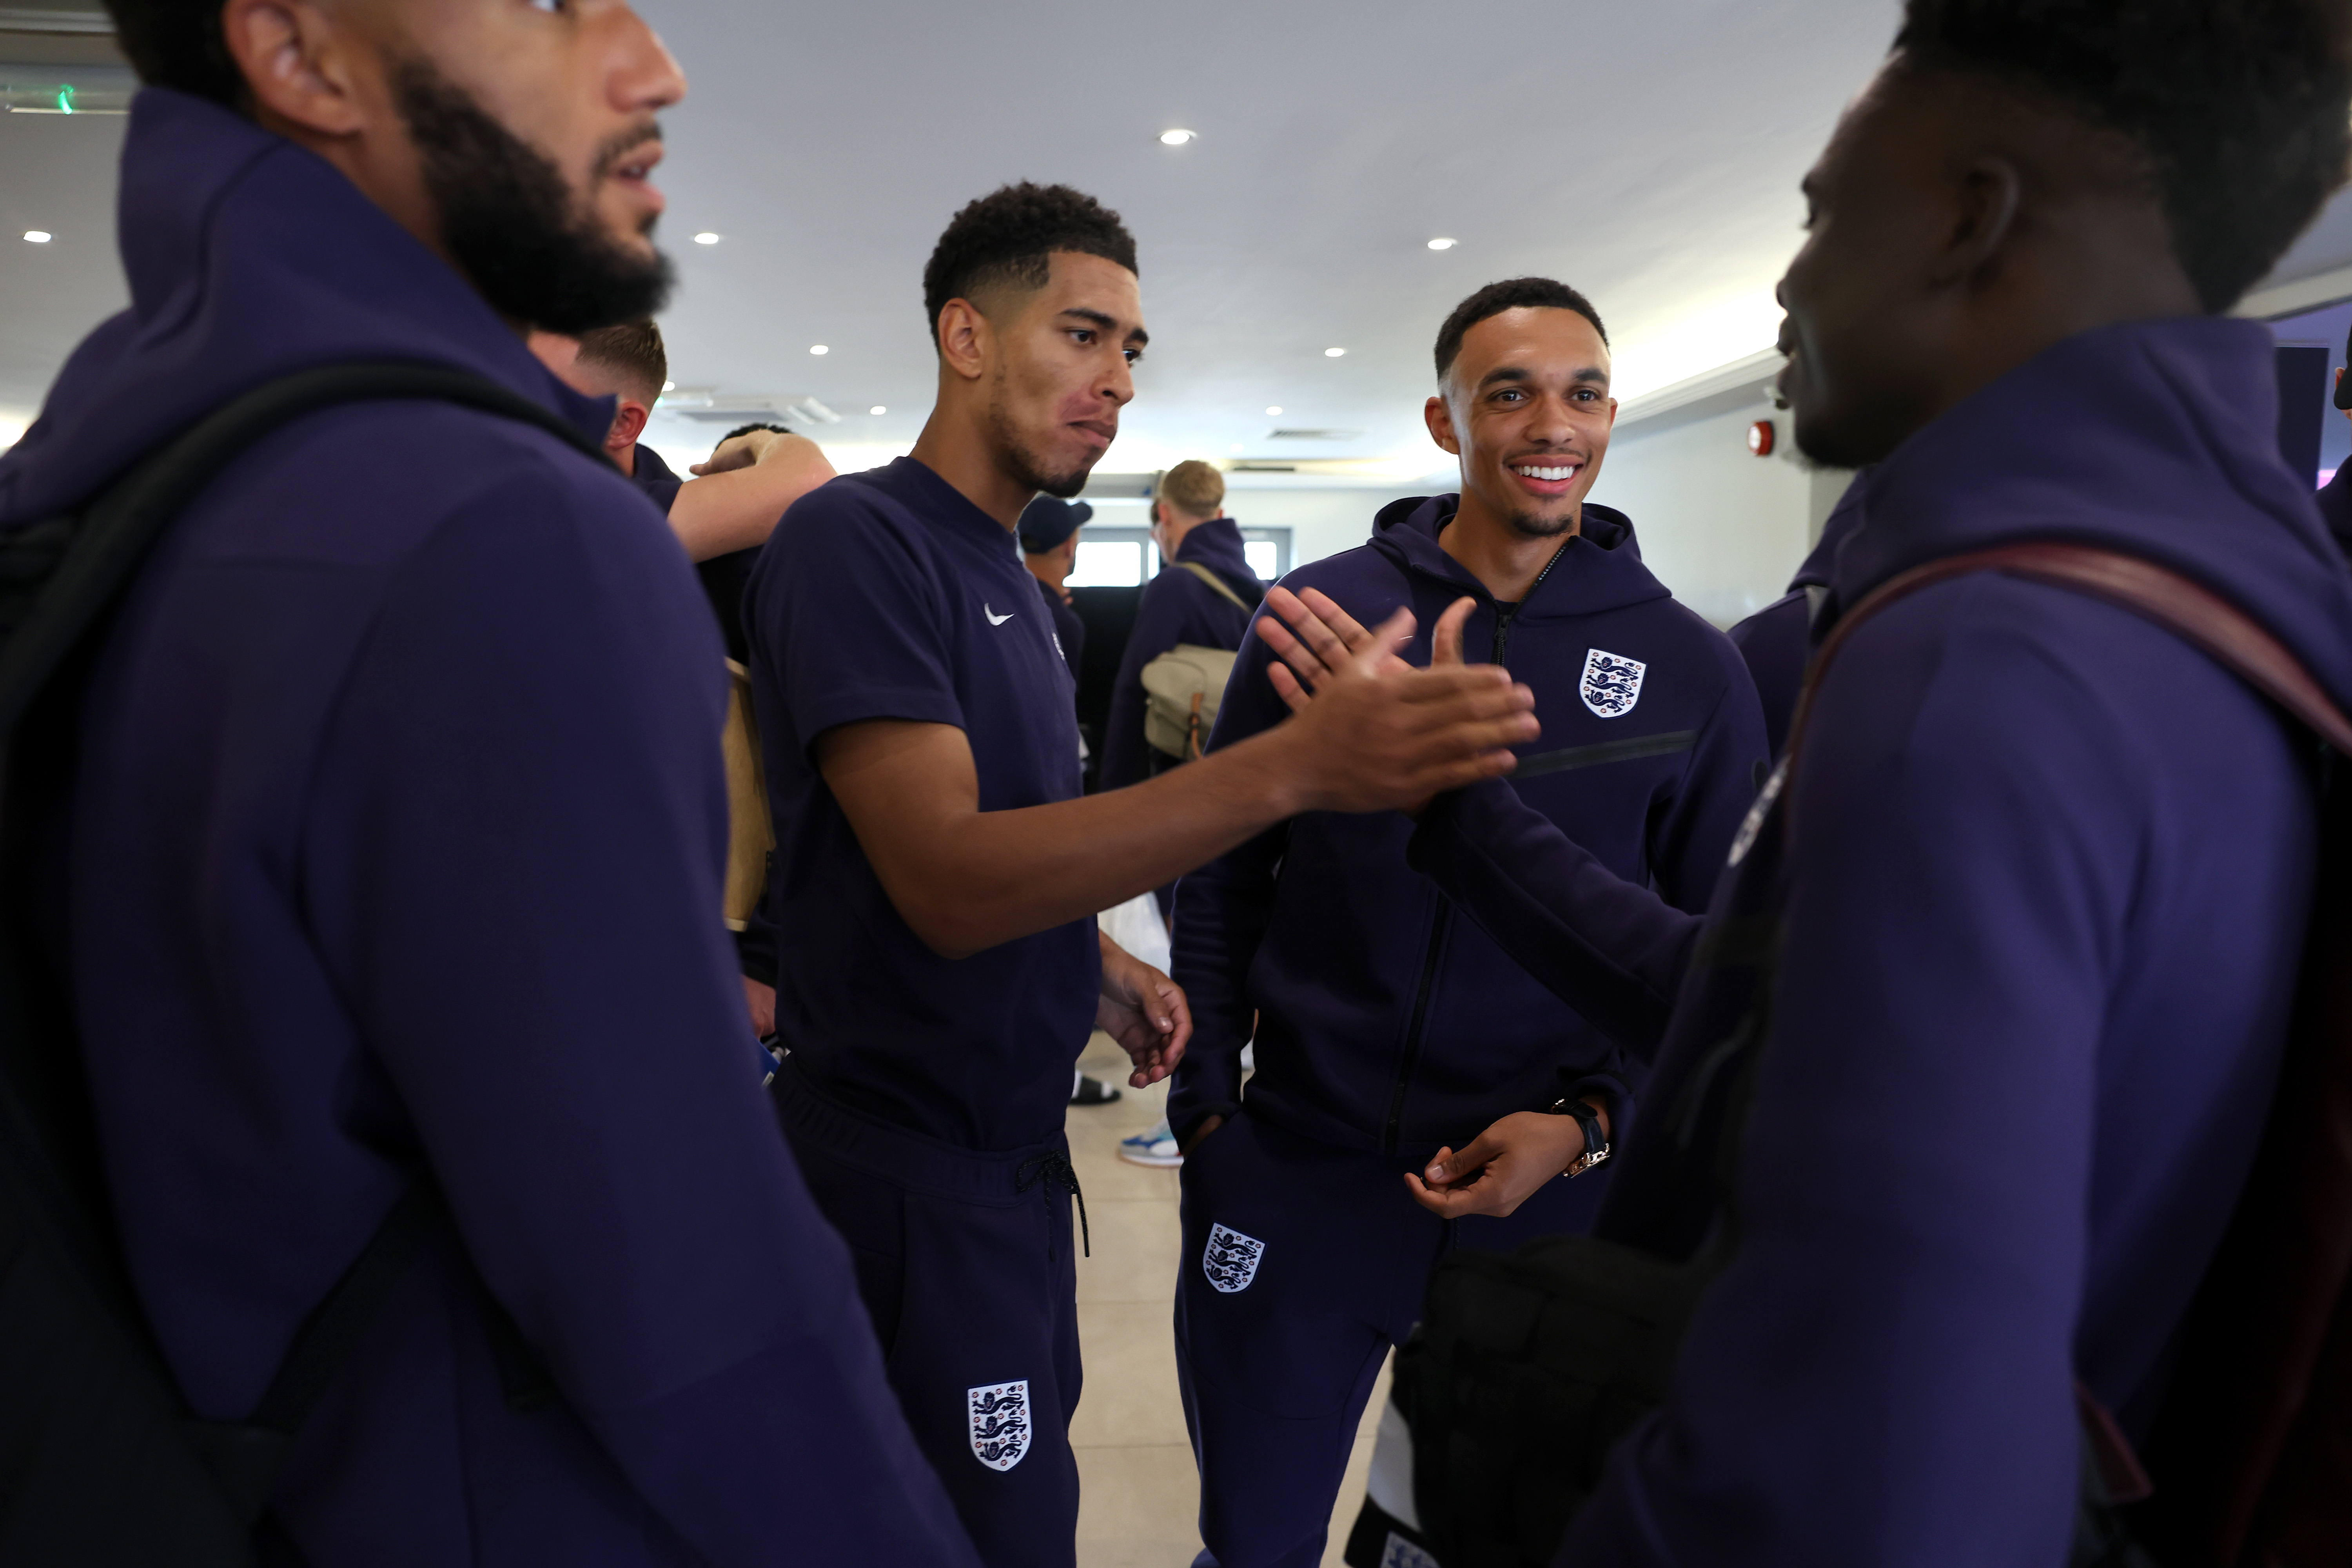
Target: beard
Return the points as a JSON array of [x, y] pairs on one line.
[[1535, 525], [510, 222], [1024, 462]]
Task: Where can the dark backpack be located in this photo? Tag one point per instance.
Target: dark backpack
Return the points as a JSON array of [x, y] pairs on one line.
[[1526, 1369], [101, 1460]]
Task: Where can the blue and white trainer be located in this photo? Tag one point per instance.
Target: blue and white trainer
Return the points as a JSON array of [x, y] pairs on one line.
[[1156, 1148]]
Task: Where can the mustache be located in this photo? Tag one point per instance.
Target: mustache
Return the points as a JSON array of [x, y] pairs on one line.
[[609, 156]]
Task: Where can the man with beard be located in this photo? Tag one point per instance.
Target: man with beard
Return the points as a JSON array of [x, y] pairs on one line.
[[2015, 936], [1385, 1027], [938, 871], [400, 830]]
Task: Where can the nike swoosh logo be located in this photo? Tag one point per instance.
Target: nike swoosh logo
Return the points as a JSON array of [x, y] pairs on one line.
[[993, 618]]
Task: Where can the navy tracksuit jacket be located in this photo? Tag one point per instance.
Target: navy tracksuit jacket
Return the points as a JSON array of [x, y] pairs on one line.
[[1387, 1025]]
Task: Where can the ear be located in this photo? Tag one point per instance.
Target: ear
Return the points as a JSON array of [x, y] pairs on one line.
[[965, 340], [629, 419], [296, 65], [1440, 420], [1983, 216]]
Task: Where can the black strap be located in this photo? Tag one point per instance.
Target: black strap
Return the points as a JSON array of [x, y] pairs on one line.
[[95, 559]]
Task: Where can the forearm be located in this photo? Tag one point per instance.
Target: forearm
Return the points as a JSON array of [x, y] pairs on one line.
[[972, 881], [1221, 915], [737, 510]]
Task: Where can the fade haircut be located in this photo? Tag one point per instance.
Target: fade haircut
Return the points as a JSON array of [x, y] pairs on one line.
[[1511, 294], [1007, 238], [632, 352], [2236, 108], [178, 43]]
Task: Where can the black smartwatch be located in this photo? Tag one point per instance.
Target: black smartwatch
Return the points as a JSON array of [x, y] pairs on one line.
[[1596, 1143]]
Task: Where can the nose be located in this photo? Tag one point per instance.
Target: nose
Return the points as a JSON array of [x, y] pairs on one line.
[[1550, 423], [1120, 386], [646, 78]]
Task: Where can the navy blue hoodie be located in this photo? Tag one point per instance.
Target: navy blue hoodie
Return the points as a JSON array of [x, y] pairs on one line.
[[1776, 640], [400, 827], [2042, 876], [1177, 608], [1385, 1022]]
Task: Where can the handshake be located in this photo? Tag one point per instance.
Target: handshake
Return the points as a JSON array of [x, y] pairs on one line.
[[1371, 732]]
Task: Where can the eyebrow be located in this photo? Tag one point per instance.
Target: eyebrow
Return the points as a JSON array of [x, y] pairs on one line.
[[1509, 374], [1138, 337]]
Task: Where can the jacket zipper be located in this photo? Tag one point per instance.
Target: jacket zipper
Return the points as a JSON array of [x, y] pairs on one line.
[[1443, 923]]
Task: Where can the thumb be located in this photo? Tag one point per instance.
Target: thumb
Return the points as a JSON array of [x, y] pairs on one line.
[[1445, 637], [1479, 1152]]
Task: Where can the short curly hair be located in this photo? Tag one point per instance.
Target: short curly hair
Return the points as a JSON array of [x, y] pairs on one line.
[[1510, 294], [2239, 107], [179, 44], [1007, 236]]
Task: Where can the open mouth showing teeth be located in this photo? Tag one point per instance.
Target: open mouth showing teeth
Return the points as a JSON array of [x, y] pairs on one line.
[[1529, 472]]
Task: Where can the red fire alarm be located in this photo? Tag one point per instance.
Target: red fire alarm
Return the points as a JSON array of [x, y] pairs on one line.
[[1760, 437]]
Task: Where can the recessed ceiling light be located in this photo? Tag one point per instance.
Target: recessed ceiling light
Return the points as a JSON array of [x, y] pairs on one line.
[[706, 237], [878, 408], [1443, 243], [1333, 354], [38, 237], [1274, 408], [669, 386], [1174, 138], [819, 349]]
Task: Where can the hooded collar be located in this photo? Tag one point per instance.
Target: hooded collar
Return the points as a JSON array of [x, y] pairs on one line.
[[1217, 545], [248, 258], [1598, 569], [2155, 439]]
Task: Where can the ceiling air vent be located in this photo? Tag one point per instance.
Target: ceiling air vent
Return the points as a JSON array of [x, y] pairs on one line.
[[1313, 435]]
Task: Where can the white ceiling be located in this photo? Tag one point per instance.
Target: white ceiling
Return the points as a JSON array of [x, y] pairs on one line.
[[1648, 154]]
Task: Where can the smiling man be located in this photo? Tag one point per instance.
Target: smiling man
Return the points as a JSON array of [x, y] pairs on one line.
[[937, 874], [373, 914], [1386, 1027]]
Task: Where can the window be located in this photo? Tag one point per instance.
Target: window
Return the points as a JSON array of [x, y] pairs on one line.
[[1268, 550], [1113, 558]]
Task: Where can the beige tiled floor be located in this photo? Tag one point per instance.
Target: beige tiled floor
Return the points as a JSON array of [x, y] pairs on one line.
[[1141, 1494]]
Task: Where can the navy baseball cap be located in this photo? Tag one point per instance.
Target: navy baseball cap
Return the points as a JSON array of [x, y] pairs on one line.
[[1046, 522]]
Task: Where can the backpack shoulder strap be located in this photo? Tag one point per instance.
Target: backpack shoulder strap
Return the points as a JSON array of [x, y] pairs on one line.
[[2187, 609], [90, 559], [1217, 584]]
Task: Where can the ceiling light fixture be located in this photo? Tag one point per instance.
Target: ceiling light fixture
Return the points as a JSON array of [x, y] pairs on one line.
[[1333, 354], [1442, 243], [38, 237], [706, 237], [878, 408], [819, 349], [1174, 138], [1274, 408]]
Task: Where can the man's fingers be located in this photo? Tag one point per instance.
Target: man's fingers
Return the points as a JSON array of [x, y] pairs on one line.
[[1345, 626], [1292, 652], [1390, 636], [1310, 627], [1445, 637], [1449, 1168], [1286, 686]]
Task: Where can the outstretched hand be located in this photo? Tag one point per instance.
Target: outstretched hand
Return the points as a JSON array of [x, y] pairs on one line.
[[1319, 637]]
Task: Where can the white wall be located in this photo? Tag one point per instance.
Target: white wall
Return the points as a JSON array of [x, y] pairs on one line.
[[1721, 527], [1322, 521]]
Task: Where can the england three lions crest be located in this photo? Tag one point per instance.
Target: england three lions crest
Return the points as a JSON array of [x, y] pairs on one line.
[[999, 1422], [1612, 683], [1230, 1260]]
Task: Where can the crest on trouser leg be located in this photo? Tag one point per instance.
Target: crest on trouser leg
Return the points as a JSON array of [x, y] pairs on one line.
[[1230, 1259], [1612, 683], [999, 1422]]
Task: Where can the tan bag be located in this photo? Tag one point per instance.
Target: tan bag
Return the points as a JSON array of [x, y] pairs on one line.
[[1182, 687], [751, 833]]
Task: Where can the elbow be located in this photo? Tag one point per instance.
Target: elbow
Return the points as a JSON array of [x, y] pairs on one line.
[[953, 935]]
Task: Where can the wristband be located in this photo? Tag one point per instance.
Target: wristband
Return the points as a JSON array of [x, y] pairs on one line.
[[1596, 1143]]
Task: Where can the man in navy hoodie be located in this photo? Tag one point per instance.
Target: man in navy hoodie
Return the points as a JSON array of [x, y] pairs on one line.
[[399, 825], [1386, 1028], [2042, 879], [938, 873]]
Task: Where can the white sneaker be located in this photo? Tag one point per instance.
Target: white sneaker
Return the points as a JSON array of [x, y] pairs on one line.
[[1156, 1148]]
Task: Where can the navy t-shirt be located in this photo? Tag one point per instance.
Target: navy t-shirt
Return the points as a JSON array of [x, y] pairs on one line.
[[887, 595]]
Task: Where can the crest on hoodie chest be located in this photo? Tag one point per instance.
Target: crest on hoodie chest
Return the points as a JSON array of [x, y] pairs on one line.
[[1612, 683]]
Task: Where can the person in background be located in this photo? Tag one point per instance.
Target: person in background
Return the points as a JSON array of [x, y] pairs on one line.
[[1048, 532], [2336, 495], [1049, 544], [753, 474], [1180, 606], [404, 739], [939, 873], [1387, 1028]]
